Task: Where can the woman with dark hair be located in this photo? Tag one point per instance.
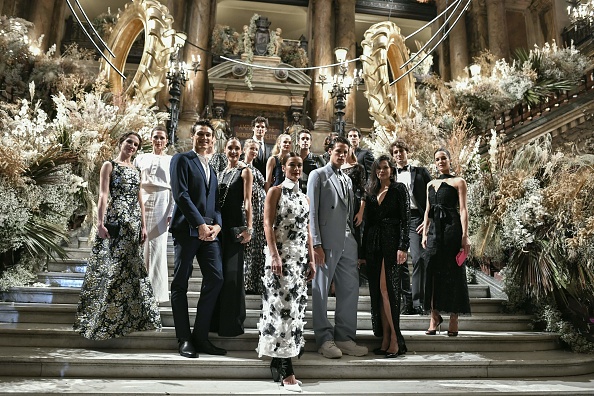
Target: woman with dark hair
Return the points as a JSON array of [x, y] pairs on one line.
[[385, 242], [286, 272], [235, 200], [254, 250], [274, 171], [116, 297], [445, 238], [158, 206]]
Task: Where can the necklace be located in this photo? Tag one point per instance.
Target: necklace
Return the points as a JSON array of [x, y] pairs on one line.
[[226, 176]]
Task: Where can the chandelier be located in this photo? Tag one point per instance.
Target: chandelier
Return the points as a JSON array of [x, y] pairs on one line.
[[340, 86], [581, 14]]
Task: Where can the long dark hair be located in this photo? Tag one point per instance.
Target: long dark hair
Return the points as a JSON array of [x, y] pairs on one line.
[[373, 184]]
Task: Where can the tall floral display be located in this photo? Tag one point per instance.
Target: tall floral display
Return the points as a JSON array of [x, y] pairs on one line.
[[58, 124]]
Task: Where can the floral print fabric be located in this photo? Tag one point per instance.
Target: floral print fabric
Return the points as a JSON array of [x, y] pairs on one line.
[[116, 297], [285, 297]]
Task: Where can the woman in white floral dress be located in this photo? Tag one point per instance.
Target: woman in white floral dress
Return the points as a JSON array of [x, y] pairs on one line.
[[286, 272]]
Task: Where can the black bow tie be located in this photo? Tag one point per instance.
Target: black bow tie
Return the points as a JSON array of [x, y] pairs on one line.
[[405, 169]]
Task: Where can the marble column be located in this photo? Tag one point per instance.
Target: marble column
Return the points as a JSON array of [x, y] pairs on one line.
[[48, 18], [497, 28], [345, 37], [177, 9], [198, 17], [477, 29], [443, 52], [458, 45], [322, 54]]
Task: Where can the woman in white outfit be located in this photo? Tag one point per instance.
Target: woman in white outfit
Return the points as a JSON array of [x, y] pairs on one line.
[[158, 204]]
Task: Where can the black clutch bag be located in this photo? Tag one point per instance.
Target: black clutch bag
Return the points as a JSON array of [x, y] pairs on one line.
[[238, 230], [113, 228]]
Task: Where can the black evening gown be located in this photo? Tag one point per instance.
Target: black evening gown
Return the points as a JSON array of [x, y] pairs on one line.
[[446, 285], [230, 313], [385, 233]]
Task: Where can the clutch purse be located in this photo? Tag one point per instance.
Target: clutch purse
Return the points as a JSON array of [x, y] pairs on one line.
[[238, 230], [113, 228], [461, 257]]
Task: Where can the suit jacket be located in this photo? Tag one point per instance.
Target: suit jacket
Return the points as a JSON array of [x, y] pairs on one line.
[[328, 208], [365, 158], [194, 198], [260, 161], [419, 178]]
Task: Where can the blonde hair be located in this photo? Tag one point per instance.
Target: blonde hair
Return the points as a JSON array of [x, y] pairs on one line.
[[276, 149]]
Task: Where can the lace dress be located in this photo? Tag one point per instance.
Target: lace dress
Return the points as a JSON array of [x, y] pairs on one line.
[[116, 297], [446, 282], [284, 300], [253, 258]]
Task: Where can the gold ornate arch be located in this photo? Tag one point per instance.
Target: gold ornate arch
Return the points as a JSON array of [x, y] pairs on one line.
[[384, 52], [152, 18]]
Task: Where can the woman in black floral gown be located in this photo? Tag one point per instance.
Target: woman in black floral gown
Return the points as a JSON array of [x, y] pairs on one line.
[[286, 272], [386, 243], [253, 257], [116, 297], [445, 235]]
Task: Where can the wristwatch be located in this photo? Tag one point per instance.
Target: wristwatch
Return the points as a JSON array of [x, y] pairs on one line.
[[250, 231], [318, 245]]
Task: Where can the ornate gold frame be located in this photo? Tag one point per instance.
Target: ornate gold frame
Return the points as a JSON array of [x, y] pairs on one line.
[[154, 19], [383, 48]]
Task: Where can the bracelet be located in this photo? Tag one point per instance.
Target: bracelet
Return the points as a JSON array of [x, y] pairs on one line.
[[250, 231], [318, 245]]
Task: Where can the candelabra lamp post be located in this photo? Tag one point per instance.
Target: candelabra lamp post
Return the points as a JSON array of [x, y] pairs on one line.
[[341, 85], [177, 75]]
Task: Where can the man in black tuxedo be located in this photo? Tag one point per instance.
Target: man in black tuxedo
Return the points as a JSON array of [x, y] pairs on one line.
[[415, 178], [260, 127], [311, 161], [195, 225], [364, 157]]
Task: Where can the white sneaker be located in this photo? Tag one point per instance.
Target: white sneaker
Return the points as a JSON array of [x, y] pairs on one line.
[[293, 387], [350, 348], [330, 350]]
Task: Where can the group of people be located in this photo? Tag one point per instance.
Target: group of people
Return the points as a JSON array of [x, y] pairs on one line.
[[267, 220]]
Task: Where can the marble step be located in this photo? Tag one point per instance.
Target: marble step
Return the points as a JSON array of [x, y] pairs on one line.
[[62, 336], [165, 365], [75, 279], [566, 386], [70, 295], [64, 313]]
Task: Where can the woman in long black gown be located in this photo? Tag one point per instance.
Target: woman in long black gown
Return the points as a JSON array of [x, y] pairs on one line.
[[445, 235], [385, 239], [235, 199]]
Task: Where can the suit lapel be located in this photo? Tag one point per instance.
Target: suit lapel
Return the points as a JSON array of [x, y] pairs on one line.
[[336, 183]]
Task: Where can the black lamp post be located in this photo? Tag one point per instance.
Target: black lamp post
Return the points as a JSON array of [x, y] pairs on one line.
[[341, 87], [177, 75]]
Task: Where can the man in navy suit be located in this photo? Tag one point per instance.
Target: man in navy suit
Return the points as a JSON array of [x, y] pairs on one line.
[[415, 178], [260, 127], [195, 225]]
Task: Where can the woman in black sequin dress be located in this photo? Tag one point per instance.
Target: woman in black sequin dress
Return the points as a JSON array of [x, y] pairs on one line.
[[445, 235], [385, 241]]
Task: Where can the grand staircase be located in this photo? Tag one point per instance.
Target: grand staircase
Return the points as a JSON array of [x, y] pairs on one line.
[[495, 353]]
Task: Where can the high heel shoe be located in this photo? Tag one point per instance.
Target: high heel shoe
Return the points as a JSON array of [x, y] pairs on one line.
[[379, 351], [452, 321], [437, 327], [452, 333]]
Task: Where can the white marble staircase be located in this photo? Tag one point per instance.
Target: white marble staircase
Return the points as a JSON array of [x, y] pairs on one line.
[[39, 352]]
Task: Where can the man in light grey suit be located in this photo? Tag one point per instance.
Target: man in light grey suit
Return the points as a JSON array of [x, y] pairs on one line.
[[331, 200]]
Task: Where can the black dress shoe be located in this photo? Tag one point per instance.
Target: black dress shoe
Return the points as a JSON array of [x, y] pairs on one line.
[[205, 346], [186, 349], [418, 311]]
